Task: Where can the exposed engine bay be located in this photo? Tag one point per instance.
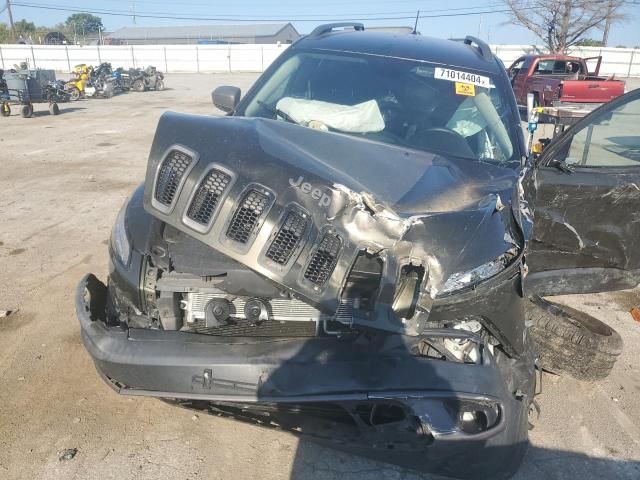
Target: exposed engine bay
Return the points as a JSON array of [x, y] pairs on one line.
[[321, 247]]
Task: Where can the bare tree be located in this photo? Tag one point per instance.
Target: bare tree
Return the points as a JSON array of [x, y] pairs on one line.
[[562, 23]]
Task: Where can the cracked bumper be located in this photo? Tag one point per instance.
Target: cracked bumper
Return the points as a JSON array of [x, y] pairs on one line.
[[432, 395]]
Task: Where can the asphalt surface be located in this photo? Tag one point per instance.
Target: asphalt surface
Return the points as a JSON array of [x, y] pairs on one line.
[[63, 180]]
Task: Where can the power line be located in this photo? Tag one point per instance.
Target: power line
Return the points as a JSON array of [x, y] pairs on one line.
[[251, 19], [106, 11]]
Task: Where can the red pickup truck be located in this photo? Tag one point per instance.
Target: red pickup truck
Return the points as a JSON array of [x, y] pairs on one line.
[[559, 78]]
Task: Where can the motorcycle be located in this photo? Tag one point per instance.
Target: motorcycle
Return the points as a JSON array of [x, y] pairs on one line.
[[121, 80], [100, 82], [76, 86], [57, 91]]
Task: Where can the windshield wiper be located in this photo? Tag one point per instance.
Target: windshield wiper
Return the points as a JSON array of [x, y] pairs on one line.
[[277, 112]]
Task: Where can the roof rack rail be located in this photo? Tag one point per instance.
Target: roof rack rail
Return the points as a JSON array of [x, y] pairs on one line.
[[329, 27], [483, 48]]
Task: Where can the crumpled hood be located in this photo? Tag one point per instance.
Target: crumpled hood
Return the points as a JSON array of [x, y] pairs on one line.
[[348, 194]]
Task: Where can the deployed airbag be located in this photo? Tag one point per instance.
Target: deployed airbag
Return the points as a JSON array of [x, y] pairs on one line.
[[361, 118]]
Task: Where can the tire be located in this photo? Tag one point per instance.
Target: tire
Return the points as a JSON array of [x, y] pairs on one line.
[[159, 85], [5, 111], [74, 94], [572, 342], [26, 110], [54, 109], [138, 86]]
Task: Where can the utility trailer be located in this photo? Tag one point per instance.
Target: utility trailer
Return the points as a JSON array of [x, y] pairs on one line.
[[563, 115], [25, 87]]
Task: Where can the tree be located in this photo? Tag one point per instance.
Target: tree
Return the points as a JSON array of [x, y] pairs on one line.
[[589, 42], [562, 23], [5, 33], [23, 27], [84, 22]]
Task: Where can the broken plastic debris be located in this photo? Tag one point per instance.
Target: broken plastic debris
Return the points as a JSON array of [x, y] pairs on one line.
[[635, 313], [68, 454]]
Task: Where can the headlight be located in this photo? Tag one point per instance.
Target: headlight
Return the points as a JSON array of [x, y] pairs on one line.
[[461, 280], [120, 238]]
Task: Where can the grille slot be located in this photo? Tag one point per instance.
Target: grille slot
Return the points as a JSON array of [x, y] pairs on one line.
[[170, 176], [207, 196], [323, 259], [247, 216], [288, 238], [268, 328]]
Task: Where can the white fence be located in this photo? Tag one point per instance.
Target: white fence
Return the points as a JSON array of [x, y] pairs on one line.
[[168, 58], [622, 62]]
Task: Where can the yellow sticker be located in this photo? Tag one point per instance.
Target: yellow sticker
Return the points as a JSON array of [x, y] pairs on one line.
[[468, 89]]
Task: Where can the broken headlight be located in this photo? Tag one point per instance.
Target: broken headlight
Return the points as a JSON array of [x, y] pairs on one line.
[[120, 242], [461, 280]]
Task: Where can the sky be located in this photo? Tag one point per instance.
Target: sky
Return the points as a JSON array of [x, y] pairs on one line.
[[492, 27]]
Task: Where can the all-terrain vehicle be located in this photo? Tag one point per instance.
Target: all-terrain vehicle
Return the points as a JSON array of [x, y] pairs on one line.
[[146, 79], [347, 255]]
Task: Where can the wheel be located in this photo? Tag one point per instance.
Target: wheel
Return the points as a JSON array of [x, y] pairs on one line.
[[54, 109], [5, 111], [26, 110], [74, 94], [138, 86], [572, 342], [160, 85]]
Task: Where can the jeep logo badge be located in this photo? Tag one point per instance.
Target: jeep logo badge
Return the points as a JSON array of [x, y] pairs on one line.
[[324, 200]]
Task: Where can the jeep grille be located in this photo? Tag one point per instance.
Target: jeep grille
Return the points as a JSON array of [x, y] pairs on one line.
[[207, 195], [323, 259], [288, 238], [246, 217], [170, 175]]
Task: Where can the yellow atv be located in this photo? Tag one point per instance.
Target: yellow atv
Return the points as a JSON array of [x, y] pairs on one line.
[[76, 85]]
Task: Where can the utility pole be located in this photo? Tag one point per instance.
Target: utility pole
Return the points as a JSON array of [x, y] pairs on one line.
[[133, 11], [13, 29]]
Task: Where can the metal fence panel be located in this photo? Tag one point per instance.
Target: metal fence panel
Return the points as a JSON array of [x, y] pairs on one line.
[[621, 62]]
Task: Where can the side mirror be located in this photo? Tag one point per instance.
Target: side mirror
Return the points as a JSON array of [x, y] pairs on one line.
[[226, 98]]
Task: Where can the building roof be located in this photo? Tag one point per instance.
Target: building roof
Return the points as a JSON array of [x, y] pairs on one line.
[[200, 31]]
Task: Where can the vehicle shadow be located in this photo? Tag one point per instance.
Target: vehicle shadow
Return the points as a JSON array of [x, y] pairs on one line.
[[316, 462], [45, 111]]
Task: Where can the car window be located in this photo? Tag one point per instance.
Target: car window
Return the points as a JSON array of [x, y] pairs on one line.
[[611, 140], [544, 67], [402, 102], [515, 68]]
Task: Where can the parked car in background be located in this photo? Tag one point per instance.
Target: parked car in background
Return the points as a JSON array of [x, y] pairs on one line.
[[560, 78]]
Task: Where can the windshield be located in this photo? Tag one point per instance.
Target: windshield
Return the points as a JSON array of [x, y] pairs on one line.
[[420, 105]]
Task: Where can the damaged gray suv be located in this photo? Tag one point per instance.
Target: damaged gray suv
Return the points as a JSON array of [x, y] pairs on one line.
[[342, 256]]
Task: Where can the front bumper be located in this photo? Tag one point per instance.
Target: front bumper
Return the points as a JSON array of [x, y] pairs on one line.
[[430, 394]]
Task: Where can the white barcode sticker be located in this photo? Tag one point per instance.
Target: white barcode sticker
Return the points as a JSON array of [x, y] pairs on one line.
[[464, 77]]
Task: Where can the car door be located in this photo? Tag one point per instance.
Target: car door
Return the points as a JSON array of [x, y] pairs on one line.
[[518, 74], [586, 196]]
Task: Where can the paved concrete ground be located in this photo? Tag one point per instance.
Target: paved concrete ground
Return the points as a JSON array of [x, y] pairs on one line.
[[63, 180]]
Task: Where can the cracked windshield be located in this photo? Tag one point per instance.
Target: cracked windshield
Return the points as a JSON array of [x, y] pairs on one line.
[[400, 102]]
